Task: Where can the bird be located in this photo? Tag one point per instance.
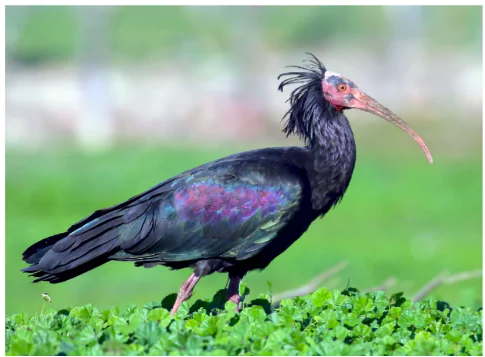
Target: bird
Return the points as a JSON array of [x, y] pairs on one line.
[[235, 214]]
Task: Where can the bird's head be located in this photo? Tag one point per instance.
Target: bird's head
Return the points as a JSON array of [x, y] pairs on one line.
[[341, 92], [324, 93]]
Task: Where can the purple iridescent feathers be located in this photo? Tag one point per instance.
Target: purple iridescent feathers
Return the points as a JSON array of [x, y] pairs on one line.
[[211, 202]]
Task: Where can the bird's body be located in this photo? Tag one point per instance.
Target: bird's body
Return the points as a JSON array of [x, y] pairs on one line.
[[210, 217], [233, 215]]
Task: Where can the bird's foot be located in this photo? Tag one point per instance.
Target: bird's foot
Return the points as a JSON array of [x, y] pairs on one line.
[[236, 298], [185, 292], [233, 291]]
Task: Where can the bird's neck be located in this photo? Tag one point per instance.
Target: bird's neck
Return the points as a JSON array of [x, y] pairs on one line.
[[333, 148]]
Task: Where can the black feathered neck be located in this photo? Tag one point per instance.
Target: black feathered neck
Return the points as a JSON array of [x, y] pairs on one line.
[[326, 132], [308, 107]]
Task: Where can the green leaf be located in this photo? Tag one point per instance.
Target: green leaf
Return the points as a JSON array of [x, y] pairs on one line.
[[161, 316], [341, 333], [394, 312], [362, 330], [230, 306], [256, 314], [363, 304], [243, 290], [87, 336], [320, 297], [465, 319], [385, 330], [208, 327], [20, 347], [148, 333]]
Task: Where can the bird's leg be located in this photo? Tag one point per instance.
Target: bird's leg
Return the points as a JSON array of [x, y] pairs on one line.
[[232, 293], [185, 292]]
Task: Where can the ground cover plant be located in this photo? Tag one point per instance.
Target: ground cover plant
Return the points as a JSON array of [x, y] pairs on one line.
[[324, 322]]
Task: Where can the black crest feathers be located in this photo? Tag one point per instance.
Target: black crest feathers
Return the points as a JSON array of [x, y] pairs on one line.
[[307, 103]]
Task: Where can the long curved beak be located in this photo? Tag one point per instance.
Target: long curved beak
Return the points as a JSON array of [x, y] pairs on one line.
[[364, 102]]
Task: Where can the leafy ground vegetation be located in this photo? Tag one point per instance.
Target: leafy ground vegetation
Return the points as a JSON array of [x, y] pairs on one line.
[[322, 323]]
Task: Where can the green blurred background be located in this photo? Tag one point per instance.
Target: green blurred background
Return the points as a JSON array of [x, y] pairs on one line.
[[104, 102]]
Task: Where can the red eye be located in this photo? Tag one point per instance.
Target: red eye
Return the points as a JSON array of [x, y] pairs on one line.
[[342, 87]]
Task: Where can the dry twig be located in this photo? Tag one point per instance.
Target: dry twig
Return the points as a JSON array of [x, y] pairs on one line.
[[445, 278], [312, 285], [440, 279], [384, 286]]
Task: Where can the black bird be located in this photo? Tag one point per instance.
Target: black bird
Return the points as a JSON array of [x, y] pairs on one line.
[[235, 214]]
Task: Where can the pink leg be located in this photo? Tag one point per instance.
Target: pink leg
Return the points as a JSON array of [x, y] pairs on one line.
[[233, 291], [185, 292]]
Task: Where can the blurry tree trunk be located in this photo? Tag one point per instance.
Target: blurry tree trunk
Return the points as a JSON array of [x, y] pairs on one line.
[[95, 125]]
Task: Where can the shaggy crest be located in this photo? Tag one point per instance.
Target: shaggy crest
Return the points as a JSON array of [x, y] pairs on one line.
[[307, 103]]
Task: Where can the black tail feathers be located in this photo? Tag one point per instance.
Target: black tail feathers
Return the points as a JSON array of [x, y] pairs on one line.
[[83, 247], [35, 252]]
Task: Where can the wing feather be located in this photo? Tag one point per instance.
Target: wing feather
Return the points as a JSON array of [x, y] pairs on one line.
[[230, 212]]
